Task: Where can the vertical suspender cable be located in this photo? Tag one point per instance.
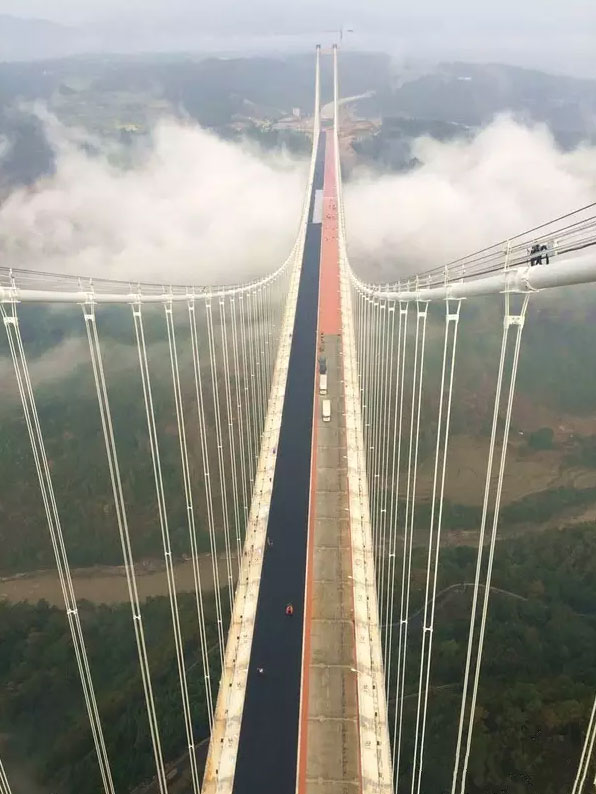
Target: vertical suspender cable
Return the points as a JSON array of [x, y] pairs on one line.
[[252, 342], [262, 305], [244, 479], [587, 750], [363, 363], [248, 381], [384, 416], [165, 538], [268, 340], [371, 411], [122, 521], [196, 360], [417, 379], [377, 435], [220, 456], [365, 389], [264, 352], [357, 299], [395, 481], [254, 392], [509, 320], [377, 359], [259, 362], [4, 784], [387, 482], [434, 545], [21, 368], [231, 428]]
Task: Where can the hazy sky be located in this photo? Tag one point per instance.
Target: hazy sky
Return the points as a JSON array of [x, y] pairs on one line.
[[262, 15], [560, 34]]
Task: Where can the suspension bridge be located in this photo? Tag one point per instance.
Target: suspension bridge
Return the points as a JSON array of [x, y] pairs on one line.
[[298, 402]]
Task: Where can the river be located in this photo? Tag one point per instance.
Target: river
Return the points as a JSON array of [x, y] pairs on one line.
[[107, 584]]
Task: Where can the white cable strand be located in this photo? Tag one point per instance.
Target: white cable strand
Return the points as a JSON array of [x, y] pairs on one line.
[[434, 545], [375, 342], [518, 321], [395, 479], [26, 393], [419, 349], [366, 358], [166, 543], [220, 456], [360, 304], [384, 439], [4, 784], [377, 426], [254, 393], [244, 477], [586, 756], [122, 521], [480, 554], [263, 357], [259, 364], [57, 538], [268, 340], [196, 359], [254, 373], [231, 430], [247, 393], [374, 473], [388, 482]]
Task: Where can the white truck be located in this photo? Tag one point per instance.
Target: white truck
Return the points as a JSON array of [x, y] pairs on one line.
[[323, 384], [326, 410]]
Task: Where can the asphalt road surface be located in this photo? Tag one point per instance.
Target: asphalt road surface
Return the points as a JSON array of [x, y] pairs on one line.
[[268, 749]]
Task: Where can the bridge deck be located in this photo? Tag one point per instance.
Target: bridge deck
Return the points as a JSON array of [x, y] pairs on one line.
[[268, 745], [329, 735]]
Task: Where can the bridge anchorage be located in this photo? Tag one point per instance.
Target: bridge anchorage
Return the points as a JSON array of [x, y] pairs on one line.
[[295, 435]]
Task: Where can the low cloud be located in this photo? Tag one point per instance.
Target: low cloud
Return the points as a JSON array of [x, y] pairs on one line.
[[464, 195], [53, 365], [5, 147], [184, 206]]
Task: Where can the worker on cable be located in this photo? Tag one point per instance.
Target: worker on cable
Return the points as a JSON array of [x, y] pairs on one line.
[[539, 254]]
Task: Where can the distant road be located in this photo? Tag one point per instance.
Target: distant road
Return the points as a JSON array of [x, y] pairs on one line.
[[327, 110]]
